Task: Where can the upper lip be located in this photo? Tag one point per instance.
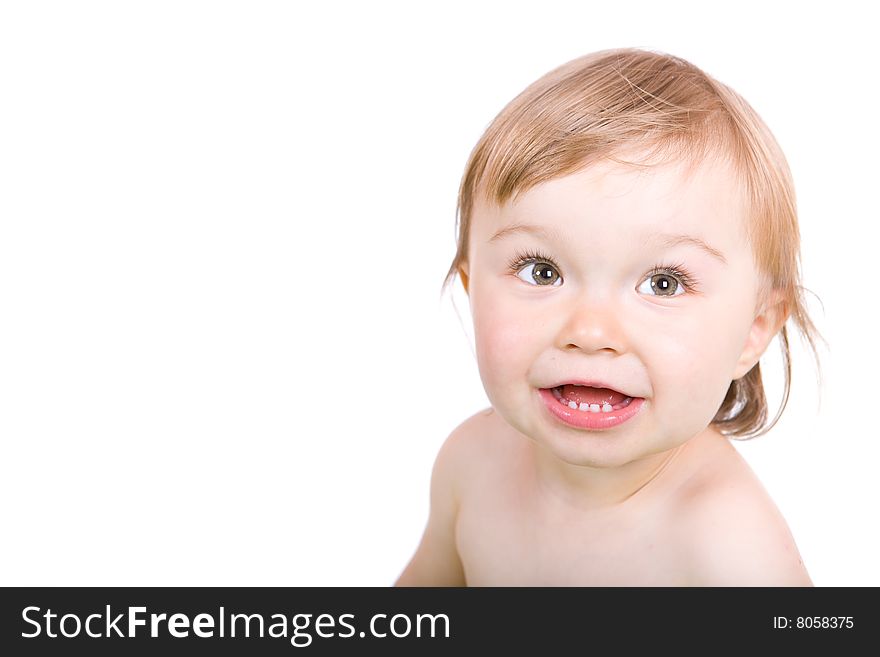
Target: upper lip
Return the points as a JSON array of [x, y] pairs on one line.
[[594, 383]]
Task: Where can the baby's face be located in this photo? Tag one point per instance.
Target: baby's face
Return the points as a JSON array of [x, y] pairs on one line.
[[599, 290]]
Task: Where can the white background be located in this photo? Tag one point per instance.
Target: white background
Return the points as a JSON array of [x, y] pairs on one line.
[[224, 357]]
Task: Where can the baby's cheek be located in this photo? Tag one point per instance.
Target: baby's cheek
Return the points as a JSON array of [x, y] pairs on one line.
[[502, 343], [698, 365]]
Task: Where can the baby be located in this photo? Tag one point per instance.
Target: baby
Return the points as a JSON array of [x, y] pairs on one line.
[[628, 241]]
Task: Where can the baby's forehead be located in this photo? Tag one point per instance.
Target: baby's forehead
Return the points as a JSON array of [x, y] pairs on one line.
[[704, 192]]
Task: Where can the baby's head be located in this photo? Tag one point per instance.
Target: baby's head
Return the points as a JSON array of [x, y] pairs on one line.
[[628, 219]]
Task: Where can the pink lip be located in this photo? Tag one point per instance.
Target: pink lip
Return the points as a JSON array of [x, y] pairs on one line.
[[586, 419]]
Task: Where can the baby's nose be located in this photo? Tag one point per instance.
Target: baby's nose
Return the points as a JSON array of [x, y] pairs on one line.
[[592, 324]]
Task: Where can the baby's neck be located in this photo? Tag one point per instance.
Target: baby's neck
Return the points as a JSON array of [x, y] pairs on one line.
[[584, 488]]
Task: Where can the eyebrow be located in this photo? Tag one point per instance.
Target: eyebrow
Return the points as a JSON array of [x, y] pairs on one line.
[[664, 239], [537, 231], [669, 240]]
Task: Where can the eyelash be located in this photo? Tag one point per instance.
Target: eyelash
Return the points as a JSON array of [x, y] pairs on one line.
[[678, 271]]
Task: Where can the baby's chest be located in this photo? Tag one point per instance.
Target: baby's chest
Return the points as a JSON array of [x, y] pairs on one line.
[[501, 545]]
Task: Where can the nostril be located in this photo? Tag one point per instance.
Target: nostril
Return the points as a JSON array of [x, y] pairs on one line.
[[572, 346]]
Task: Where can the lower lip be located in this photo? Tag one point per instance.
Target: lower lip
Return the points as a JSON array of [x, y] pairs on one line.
[[587, 419]]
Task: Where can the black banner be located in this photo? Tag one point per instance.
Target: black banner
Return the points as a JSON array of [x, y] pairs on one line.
[[339, 621]]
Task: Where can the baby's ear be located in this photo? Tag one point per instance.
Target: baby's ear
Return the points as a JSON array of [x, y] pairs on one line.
[[767, 324], [463, 274]]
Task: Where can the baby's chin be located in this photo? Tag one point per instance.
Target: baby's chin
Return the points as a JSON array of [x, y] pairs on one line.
[[591, 450], [609, 448], [583, 448]]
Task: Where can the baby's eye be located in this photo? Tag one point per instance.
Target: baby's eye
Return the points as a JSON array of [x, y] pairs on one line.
[[663, 284], [539, 273]]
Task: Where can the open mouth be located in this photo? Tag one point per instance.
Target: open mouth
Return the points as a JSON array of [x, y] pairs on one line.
[[586, 407], [590, 400]]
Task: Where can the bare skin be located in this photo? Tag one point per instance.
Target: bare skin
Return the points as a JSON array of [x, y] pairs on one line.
[[581, 277], [701, 519]]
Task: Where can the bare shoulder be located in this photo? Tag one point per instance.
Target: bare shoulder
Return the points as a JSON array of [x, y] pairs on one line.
[[436, 561], [733, 532], [477, 435], [472, 453]]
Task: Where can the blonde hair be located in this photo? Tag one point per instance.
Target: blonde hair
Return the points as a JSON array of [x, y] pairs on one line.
[[613, 102]]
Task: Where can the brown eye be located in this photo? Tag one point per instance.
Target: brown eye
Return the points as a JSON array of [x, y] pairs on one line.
[[664, 284], [669, 281], [539, 273]]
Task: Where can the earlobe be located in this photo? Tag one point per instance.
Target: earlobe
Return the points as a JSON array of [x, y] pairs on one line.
[[766, 325]]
